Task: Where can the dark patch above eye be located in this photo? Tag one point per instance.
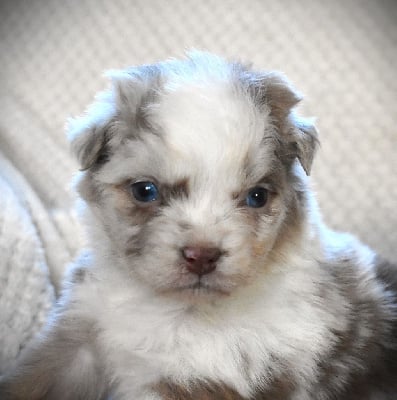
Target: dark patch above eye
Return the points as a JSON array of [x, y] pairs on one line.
[[177, 190], [257, 197], [103, 158], [145, 191]]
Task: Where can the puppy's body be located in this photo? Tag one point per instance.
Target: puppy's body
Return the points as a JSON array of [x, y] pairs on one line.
[[211, 274]]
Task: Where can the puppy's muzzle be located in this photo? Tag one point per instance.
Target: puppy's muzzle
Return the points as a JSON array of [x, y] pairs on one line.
[[200, 260]]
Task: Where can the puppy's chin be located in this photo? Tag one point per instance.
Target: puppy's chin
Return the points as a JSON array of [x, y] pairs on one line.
[[196, 295], [199, 291], [190, 288]]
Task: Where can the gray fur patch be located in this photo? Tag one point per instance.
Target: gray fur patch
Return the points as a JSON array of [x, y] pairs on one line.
[[360, 365], [63, 366]]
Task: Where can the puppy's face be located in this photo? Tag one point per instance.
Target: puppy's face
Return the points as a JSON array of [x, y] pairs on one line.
[[191, 175]]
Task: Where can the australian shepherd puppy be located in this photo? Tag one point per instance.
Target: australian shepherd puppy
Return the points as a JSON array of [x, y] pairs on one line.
[[210, 274]]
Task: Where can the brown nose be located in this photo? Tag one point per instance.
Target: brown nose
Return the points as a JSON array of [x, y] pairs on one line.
[[201, 260]]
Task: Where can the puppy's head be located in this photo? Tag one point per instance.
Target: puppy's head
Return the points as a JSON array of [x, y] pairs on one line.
[[191, 171]]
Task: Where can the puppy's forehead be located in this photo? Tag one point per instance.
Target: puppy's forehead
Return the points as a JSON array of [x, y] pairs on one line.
[[207, 131], [210, 127]]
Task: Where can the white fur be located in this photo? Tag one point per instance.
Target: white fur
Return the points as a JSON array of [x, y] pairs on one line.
[[158, 338]]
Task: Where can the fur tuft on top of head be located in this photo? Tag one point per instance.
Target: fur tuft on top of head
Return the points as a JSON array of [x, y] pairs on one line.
[[124, 110]]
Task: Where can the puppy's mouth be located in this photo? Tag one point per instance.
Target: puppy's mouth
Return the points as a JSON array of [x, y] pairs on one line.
[[201, 287]]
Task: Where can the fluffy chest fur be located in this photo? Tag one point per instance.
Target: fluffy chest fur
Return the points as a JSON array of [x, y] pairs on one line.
[[247, 342]]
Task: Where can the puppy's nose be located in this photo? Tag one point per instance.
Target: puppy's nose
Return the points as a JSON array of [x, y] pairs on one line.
[[201, 260]]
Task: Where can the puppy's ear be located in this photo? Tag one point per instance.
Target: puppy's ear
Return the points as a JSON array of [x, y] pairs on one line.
[[299, 136], [277, 92], [302, 141], [116, 114], [91, 133]]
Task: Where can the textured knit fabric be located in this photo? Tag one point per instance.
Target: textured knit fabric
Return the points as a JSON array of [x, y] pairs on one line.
[[26, 292]]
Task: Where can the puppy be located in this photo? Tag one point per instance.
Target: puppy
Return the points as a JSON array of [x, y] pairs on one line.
[[210, 274]]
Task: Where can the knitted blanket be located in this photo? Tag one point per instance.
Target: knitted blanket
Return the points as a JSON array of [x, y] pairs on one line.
[[32, 257]]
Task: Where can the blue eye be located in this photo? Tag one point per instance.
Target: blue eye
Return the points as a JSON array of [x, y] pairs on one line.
[[145, 191], [257, 197]]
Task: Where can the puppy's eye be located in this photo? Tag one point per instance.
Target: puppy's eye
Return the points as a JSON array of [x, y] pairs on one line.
[[145, 191], [257, 197]]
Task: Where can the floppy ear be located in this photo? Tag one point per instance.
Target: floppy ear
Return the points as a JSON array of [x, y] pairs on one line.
[[304, 141], [279, 95], [298, 135], [91, 133], [115, 114]]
